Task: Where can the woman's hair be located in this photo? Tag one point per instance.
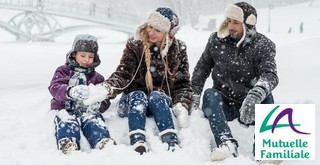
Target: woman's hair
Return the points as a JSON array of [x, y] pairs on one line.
[[146, 50]]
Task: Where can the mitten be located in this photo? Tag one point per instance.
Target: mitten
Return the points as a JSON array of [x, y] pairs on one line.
[[182, 115], [195, 102], [94, 108], [247, 111], [97, 93], [79, 92]]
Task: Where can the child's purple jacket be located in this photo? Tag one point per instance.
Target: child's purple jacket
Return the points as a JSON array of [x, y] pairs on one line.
[[59, 84]]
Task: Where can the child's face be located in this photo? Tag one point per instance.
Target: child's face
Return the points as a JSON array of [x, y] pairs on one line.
[[84, 59]]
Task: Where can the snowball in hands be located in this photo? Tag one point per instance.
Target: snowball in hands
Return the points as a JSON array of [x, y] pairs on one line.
[[182, 115], [97, 93]]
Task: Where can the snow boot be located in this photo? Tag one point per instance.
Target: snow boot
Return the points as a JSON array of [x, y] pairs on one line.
[[171, 138], [138, 141], [104, 142], [66, 145], [226, 148], [140, 147]]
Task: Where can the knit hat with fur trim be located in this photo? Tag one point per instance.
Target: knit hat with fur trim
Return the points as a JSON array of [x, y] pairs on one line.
[[242, 12], [163, 19]]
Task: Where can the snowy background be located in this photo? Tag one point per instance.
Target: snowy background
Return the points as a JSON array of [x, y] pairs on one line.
[[26, 124]]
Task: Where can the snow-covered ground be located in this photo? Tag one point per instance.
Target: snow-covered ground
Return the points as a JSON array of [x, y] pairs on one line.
[[26, 124]]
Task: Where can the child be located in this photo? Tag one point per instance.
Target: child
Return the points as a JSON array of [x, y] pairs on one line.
[[69, 87]]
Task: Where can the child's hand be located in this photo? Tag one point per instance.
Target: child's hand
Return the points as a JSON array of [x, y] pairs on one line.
[[79, 92]]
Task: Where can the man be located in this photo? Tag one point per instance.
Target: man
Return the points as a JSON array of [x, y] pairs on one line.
[[243, 68]]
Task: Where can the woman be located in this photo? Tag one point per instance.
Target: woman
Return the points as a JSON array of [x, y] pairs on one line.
[[153, 75]]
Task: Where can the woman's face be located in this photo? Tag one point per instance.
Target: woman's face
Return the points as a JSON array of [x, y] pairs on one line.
[[155, 36]]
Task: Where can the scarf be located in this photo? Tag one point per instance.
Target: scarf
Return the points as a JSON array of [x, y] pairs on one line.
[[77, 107]]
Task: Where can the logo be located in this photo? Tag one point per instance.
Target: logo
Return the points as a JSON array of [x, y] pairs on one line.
[[285, 132], [288, 112]]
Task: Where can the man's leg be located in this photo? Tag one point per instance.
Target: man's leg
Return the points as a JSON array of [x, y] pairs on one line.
[[213, 108]]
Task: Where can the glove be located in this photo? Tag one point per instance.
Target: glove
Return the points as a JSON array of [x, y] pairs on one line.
[[195, 102], [97, 93], [79, 92], [195, 106], [94, 108], [182, 115], [255, 96]]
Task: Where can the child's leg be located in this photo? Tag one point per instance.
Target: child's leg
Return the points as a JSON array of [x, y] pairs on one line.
[[67, 129], [94, 129]]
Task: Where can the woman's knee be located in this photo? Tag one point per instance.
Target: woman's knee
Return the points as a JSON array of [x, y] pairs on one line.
[[158, 101], [156, 97], [137, 101], [137, 95]]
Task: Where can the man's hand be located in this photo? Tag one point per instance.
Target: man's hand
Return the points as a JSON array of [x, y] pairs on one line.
[[247, 111]]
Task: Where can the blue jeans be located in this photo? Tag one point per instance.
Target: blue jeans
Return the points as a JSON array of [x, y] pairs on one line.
[[136, 105], [92, 126], [218, 113]]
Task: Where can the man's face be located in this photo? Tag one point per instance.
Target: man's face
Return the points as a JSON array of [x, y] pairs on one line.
[[235, 28]]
